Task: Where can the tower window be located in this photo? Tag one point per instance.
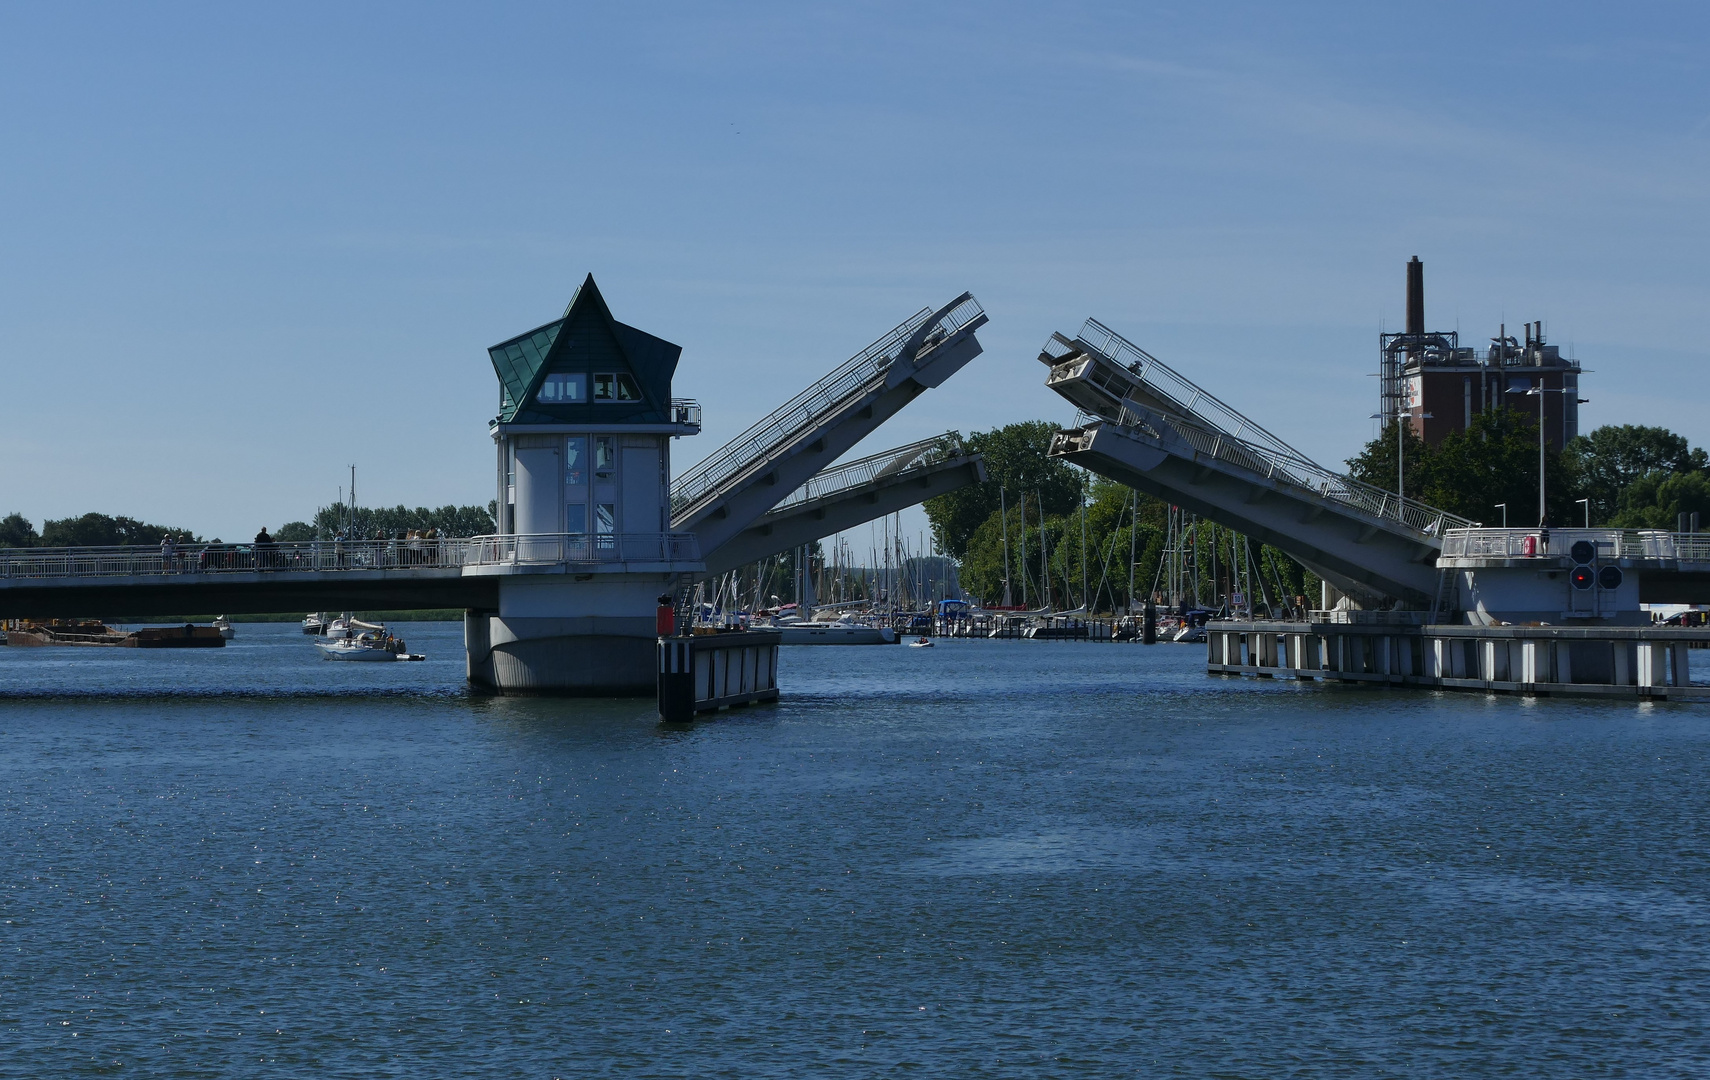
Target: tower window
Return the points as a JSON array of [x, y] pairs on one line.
[[576, 460], [563, 389], [618, 386]]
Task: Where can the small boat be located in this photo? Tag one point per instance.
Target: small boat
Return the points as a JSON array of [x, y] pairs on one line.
[[224, 626], [315, 623], [366, 647], [921, 643], [844, 631], [373, 642]]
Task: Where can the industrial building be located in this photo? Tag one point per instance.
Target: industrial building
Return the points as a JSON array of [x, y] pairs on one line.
[[1438, 385]]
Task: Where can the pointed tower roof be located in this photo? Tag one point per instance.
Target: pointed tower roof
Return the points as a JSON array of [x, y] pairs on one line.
[[586, 339]]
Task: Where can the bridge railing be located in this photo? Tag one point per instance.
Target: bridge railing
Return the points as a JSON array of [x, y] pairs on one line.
[[303, 557], [580, 548], [1609, 543], [865, 470], [767, 437], [1298, 471], [322, 556], [1174, 388]]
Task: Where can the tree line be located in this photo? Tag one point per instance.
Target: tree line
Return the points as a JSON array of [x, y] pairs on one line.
[[1629, 476], [359, 523]]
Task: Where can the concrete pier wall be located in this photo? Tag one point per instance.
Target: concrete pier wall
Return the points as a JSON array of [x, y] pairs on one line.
[[1640, 662]]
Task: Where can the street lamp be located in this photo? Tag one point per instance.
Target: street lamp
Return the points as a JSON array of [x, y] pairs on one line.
[[1504, 508], [1587, 504], [1539, 391], [1400, 491]]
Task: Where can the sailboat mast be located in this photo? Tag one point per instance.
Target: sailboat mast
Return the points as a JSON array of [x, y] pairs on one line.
[[1044, 565], [1086, 605]]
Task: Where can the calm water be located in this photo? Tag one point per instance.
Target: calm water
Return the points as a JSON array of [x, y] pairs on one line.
[[983, 859]]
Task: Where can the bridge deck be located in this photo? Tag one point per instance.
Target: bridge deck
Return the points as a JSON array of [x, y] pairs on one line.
[[742, 481], [315, 576]]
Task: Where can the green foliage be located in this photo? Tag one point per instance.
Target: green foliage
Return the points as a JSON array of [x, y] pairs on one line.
[[1046, 561], [1471, 472], [1635, 477], [16, 531], [98, 530], [369, 522], [1016, 462], [1657, 499], [1375, 464], [294, 532], [1613, 458]]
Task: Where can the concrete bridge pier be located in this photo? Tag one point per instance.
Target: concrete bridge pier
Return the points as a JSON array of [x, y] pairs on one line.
[[567, 633]]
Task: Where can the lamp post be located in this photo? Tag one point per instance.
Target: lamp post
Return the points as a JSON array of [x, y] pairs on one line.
[[1400, 491], [1539, 391], [1587, 504], [1504, 508]]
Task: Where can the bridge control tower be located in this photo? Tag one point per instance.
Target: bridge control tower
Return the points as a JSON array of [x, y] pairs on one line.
[[583, 440]]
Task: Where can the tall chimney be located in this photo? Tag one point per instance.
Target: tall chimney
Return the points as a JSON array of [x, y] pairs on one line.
[[1415, 296]]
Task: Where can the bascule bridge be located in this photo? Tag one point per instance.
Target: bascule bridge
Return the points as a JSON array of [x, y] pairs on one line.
[[593, 525]]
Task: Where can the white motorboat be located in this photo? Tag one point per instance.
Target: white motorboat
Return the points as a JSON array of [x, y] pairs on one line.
[[224, 626], [922, 643], [315, 623]]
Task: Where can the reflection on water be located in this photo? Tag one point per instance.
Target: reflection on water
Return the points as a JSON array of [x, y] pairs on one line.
[[991, 858]]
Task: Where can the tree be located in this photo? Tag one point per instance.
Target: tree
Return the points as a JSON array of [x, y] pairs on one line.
[[1613, 457], [99, 530], [1016, 460], [1470, 472], [1375, 465], [17, 532], [368, 522], [1657, 499], [294, 532]]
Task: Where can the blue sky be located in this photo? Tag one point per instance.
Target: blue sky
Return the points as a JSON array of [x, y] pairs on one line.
[[243, 247]]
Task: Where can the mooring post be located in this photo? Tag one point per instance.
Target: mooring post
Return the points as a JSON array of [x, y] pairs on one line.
[[676, 680]]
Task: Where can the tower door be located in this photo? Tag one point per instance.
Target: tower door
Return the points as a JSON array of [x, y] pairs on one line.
[[538, 509]]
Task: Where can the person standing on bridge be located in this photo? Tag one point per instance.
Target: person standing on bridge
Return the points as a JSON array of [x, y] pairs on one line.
[[168, 550], [263, 550]]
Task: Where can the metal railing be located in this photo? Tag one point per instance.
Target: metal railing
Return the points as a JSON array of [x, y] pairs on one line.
[[767, 437], [865, 470], [311, 556], [1297, 471], [531, 549], [1558, 543], [1175, 390], [686, 411], [322, 556]]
